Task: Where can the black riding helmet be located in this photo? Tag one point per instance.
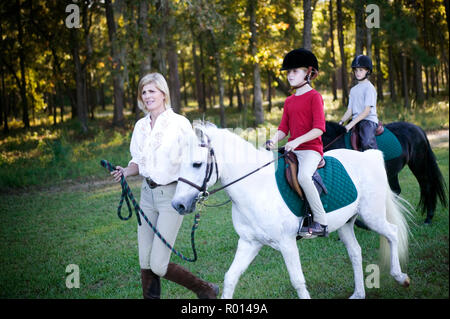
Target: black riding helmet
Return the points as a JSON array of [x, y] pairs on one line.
[[362, 61], [301, 58]]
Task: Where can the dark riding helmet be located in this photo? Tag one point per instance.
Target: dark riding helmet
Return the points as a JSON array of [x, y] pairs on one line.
[[362, 61], [301, 58]]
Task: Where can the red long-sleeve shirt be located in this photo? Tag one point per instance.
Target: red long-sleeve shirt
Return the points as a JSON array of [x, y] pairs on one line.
[[301, 114]]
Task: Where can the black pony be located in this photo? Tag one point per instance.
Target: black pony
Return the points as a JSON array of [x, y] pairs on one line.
[[416, 152]]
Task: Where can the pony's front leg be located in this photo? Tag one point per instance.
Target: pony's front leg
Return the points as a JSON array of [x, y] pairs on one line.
[[246, 252], [291, 257]]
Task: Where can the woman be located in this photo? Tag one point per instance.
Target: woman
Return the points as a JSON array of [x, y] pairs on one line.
[[155, 148]]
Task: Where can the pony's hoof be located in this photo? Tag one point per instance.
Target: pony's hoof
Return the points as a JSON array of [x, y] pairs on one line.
[[407, 282], [358, 296]]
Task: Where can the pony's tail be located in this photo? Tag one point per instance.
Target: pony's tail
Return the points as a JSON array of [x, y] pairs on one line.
[[432, 185], [398, 212]]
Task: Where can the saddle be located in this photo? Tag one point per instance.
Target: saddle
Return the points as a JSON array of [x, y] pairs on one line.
[[291, 172], [354, 135]]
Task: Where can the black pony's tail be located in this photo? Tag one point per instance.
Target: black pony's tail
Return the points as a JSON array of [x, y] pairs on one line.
[[432, 183]]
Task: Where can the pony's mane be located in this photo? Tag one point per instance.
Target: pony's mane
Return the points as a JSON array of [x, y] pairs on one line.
[[211, 130], [334, 127]]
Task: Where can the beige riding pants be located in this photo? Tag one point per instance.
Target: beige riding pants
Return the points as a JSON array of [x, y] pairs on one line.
[[156, 204], [307, 163]]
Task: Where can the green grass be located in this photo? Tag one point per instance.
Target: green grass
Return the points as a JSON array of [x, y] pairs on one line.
[[44, 231], [57, 221]]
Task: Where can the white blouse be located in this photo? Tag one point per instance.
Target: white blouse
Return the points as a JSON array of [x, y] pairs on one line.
[[158, 151]]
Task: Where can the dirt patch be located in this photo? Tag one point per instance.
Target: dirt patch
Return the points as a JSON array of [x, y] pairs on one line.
[[438, 138], [74, 186]]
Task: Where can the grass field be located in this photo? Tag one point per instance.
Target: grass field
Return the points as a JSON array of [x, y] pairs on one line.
[[45, 228]]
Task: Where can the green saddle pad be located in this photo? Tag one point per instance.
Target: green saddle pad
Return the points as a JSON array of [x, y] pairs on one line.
[[387, 143], [341, 190]]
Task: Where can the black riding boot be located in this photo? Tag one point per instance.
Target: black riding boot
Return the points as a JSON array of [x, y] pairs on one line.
[[151, 286]]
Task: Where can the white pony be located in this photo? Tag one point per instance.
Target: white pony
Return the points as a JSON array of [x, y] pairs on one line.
[[261, 217]]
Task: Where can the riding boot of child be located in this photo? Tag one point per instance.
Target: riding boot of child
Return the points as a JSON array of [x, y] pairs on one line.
[[151, 285], [183, 277], [316, 229]]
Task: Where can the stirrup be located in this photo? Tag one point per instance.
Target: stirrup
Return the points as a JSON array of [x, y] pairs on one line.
[[308, 231]]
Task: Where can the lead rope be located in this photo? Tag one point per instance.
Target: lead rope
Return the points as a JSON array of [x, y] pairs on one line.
[[127, 195]]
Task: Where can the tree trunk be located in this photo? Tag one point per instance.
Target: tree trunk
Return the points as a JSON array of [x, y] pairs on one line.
[[202, 73], [405, 81], [230, 92], [417, 72], [198, 81], [333, 58], [4, 105], [79, 82], [341, 47], [238, 94], [307, 18], [219, 79], [269, 91], [174, 79], [257, 94], [117, 73], [144, 39], [369, 42], [447, 14], [379, 74], [359, 26], [172, 59], [23, 83], [420, 96], [162, 30], [183, 80]]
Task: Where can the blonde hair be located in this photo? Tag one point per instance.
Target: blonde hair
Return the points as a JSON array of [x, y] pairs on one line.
[[160, 83]]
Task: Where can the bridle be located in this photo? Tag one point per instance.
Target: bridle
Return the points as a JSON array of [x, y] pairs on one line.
[[211, 164]]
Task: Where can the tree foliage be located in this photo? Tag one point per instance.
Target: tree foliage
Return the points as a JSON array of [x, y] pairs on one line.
[[213, 53]]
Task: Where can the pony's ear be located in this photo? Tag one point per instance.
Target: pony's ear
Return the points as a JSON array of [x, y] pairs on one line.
[[199, 133]]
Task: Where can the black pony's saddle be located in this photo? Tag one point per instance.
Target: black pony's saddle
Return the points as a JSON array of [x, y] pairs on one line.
[[291, 172], [354, 135]]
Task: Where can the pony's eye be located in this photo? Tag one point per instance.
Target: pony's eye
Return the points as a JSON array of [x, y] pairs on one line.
[[197, 164]]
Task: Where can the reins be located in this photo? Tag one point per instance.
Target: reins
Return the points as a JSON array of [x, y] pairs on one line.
[[241, 178], [127, 195], [204, 194]]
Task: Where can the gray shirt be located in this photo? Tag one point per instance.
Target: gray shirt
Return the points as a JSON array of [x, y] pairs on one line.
[[361, 95]]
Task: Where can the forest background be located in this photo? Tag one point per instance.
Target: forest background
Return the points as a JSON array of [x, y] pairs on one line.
[[62, 60]]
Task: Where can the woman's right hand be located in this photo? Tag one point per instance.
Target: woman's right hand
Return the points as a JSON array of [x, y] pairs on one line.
[[118, 173]]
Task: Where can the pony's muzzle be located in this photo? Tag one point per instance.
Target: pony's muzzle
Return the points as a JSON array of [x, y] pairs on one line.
[[183, 208]]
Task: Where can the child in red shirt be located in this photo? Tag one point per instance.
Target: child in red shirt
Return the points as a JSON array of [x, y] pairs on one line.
[[304, 118]]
